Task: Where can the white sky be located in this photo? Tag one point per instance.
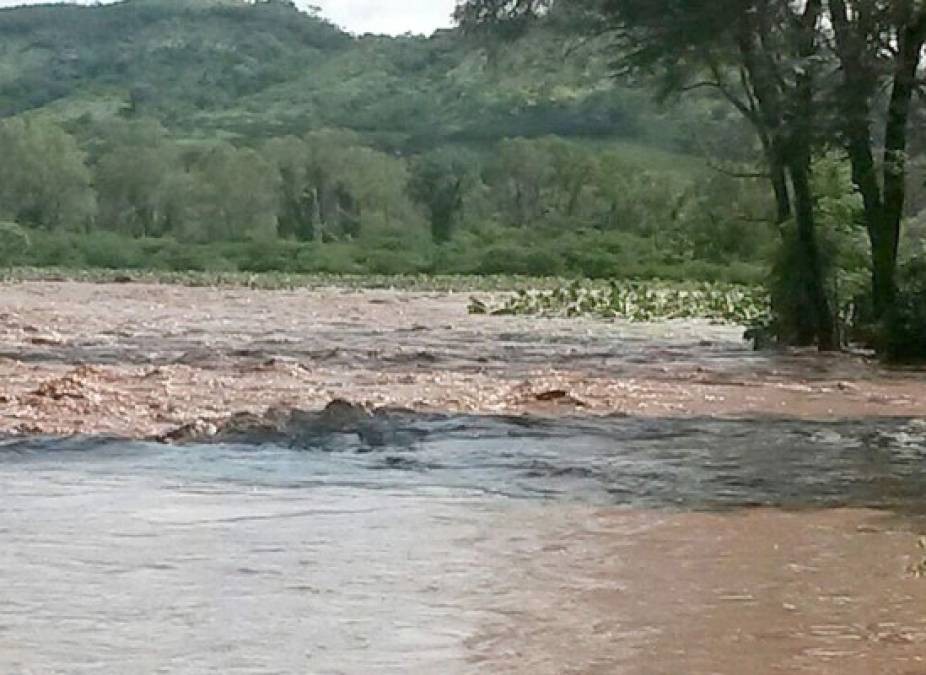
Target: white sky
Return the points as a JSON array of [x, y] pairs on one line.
[[365, 16], [388, 16]]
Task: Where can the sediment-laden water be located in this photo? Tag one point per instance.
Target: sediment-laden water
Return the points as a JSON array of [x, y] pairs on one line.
[[455, 544]]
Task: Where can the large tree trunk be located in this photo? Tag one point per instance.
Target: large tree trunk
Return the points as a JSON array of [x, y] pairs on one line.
[[800, 154], [811, 268], [883, 265], [885, 245], [883, 199]]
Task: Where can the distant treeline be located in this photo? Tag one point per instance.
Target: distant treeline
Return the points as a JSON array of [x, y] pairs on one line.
[[533, 206]]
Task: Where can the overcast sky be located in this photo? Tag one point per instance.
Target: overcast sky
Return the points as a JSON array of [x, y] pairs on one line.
[[388, 16], [367, 16]]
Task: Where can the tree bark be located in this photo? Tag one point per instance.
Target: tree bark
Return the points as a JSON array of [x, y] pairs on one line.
[[777, 174], [779, 179], [317, 233], [821, 318], [885, 245], [800, 169]]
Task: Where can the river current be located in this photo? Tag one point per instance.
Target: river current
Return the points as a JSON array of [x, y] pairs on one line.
[[466, 544]]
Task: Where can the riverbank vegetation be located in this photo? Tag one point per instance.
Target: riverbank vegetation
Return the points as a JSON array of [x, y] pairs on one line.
[[329, 202]]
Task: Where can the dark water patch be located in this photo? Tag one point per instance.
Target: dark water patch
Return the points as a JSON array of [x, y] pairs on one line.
[[415, 357], [25, 446], [701, 463]]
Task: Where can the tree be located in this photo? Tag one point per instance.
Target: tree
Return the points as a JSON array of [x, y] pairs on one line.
[[574, 168], [236, 196], [642, 202], [135, 179], [440, 182], [521, 172], [290, 156], [327, 175], [726, 218], [768, 59], [330, 182], [44, 180], [879, 44], [761, 55], [376, 183]]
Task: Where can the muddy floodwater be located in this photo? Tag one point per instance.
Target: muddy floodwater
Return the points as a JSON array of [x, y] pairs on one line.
[[540, 496], [137, 360]]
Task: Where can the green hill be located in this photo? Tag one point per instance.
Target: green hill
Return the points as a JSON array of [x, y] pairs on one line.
[[254, 70]]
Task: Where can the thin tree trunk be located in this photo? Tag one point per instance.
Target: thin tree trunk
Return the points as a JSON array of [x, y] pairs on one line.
[[316, 216], [777, 174], [768, 117]]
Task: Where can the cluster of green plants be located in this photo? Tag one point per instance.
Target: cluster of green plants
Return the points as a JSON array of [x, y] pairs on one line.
[[637, 301], [579, 257]]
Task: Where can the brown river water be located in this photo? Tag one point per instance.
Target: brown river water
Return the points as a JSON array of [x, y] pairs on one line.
[[680, 505]]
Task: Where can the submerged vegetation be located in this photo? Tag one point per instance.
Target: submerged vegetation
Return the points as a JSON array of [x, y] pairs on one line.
[[637, 301]]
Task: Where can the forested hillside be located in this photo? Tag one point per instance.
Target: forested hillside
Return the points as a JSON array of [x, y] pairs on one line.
[[258, 137], [253, 70]]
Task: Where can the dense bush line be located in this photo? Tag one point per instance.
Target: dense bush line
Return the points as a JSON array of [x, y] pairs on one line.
[[107, 251], [130, 195]]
